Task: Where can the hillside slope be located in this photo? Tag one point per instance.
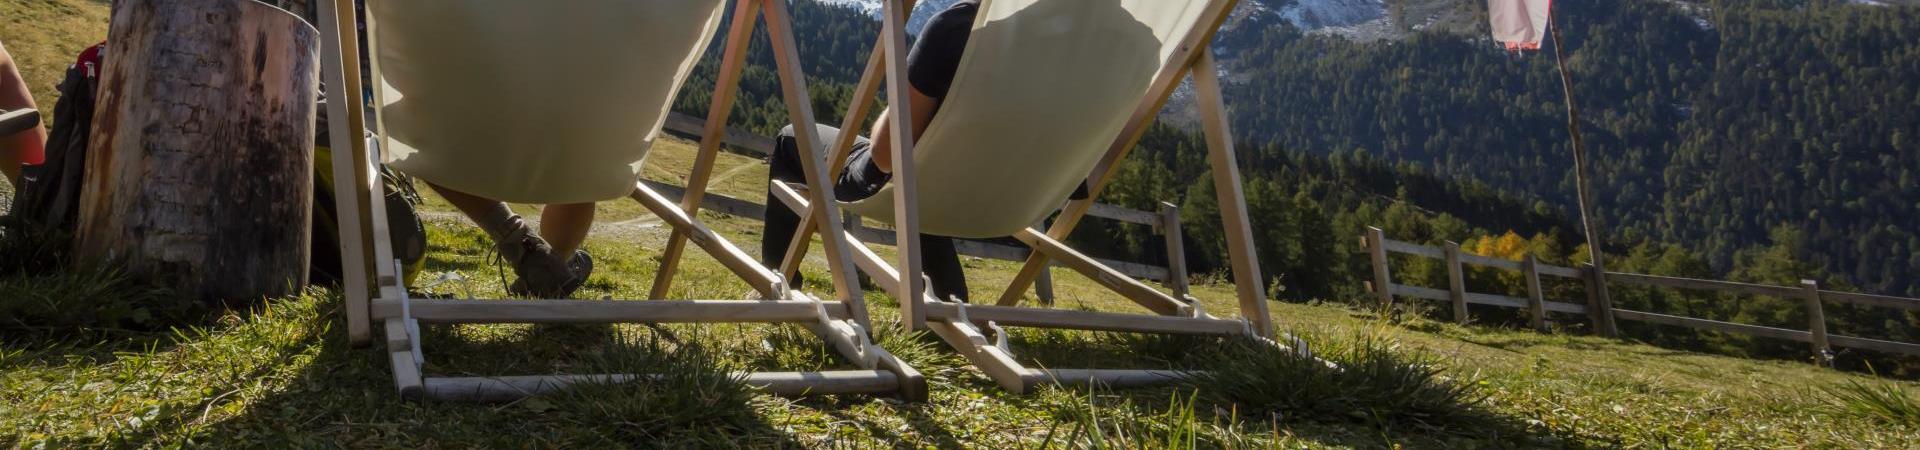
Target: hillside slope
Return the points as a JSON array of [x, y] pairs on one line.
[[284, 376]]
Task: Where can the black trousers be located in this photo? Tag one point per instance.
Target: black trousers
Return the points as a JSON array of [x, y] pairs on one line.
[[860, 180]]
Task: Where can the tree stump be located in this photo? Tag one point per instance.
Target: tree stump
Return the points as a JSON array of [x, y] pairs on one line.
[[199, 173]]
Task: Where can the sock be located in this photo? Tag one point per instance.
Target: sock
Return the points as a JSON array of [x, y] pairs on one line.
[[500, 222]]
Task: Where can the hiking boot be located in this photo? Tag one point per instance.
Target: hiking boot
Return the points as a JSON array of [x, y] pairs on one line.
[[578, 268], [540, 273]]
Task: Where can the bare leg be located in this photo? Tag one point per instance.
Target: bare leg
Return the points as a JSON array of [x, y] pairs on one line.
[[565, 226], [490, 214], [15, 148], [10, 163]]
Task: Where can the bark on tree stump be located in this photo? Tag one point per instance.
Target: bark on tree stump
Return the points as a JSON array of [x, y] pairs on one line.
[[199, 173]]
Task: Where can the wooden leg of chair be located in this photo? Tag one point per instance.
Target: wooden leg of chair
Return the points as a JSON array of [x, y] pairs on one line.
[[797, 248], [906, 201], [793, 86], [1233, 204], [748, 269], [347, 196], [732, 60], [1112, 279], [998, 365], [406, 375]]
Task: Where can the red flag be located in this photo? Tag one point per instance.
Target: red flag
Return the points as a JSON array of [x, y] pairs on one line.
[[1519, 24]]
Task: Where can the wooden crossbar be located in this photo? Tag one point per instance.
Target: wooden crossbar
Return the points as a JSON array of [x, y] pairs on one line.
[[499, 389], [731, 256], [1015, 316], [18, 120], [1107, 277], [612, 311]]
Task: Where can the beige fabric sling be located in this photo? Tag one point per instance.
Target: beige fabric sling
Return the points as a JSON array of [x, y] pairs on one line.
[[1043, 89], [532, 101]]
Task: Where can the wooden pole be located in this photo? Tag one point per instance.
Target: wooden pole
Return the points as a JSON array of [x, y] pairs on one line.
[[733, 58], [793, 84], [200, 171], [1584, 186], [1247, 279], [1376, 241], [1176, 249], [341, 63], [1536, 303], [1601, 313], [906, 201], [1043, 286], [1817, 323], [1456, 283]]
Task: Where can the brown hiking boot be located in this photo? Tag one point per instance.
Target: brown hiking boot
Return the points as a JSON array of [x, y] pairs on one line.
[[579, 267], [540, 273]]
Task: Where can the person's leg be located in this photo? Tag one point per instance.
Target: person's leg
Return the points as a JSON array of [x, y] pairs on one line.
[[784, 165], [781, 222], [24, 146], [938, 258], [533, 260], [491, 215], [941, 262], [565, 226]]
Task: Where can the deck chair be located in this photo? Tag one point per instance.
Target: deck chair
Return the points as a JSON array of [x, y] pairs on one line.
[[18, 120], [1049, 93], [549, 103]]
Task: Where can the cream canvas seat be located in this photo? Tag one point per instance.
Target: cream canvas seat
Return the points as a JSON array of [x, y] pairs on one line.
[[558, 102], [1048, 94]]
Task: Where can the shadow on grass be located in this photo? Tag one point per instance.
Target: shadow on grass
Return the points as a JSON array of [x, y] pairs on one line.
[[321, 392], [1379, 395]]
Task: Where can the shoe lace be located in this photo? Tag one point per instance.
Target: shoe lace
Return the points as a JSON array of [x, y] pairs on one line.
[[499, 265]]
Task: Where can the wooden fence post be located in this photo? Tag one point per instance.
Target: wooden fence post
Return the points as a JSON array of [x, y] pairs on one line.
[[1817, 322], [1176, 249], [1536, 306], [1043, 284], [1456, 283], [1376, 243], [1601, 312]]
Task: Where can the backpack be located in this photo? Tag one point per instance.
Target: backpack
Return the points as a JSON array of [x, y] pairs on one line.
[[406, 233], [50, 192]]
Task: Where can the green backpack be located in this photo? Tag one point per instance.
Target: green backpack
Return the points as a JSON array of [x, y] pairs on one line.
[[409, 236]]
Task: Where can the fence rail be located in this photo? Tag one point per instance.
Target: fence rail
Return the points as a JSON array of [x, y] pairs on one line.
[[1165, 222], [1382, 285]]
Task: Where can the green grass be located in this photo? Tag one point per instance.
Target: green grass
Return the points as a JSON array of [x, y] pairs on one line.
[[284, 375], [1885, 401], [45, 36]]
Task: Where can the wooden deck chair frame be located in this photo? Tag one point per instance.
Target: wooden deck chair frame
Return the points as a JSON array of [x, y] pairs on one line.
[[374, 292], [18, 120], [959, 325]]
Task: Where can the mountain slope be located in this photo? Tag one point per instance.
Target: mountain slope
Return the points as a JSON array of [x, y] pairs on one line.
[[1711, 124]]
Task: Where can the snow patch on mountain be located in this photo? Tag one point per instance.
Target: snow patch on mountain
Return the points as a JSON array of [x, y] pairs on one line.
[[1317, 14], [922, 10]]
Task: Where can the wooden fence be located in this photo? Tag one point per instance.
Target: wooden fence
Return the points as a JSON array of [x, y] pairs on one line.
[[1600, 310], [1165, 222]]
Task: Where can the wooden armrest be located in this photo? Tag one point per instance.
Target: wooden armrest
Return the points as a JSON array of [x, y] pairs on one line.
[[18, 120]]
